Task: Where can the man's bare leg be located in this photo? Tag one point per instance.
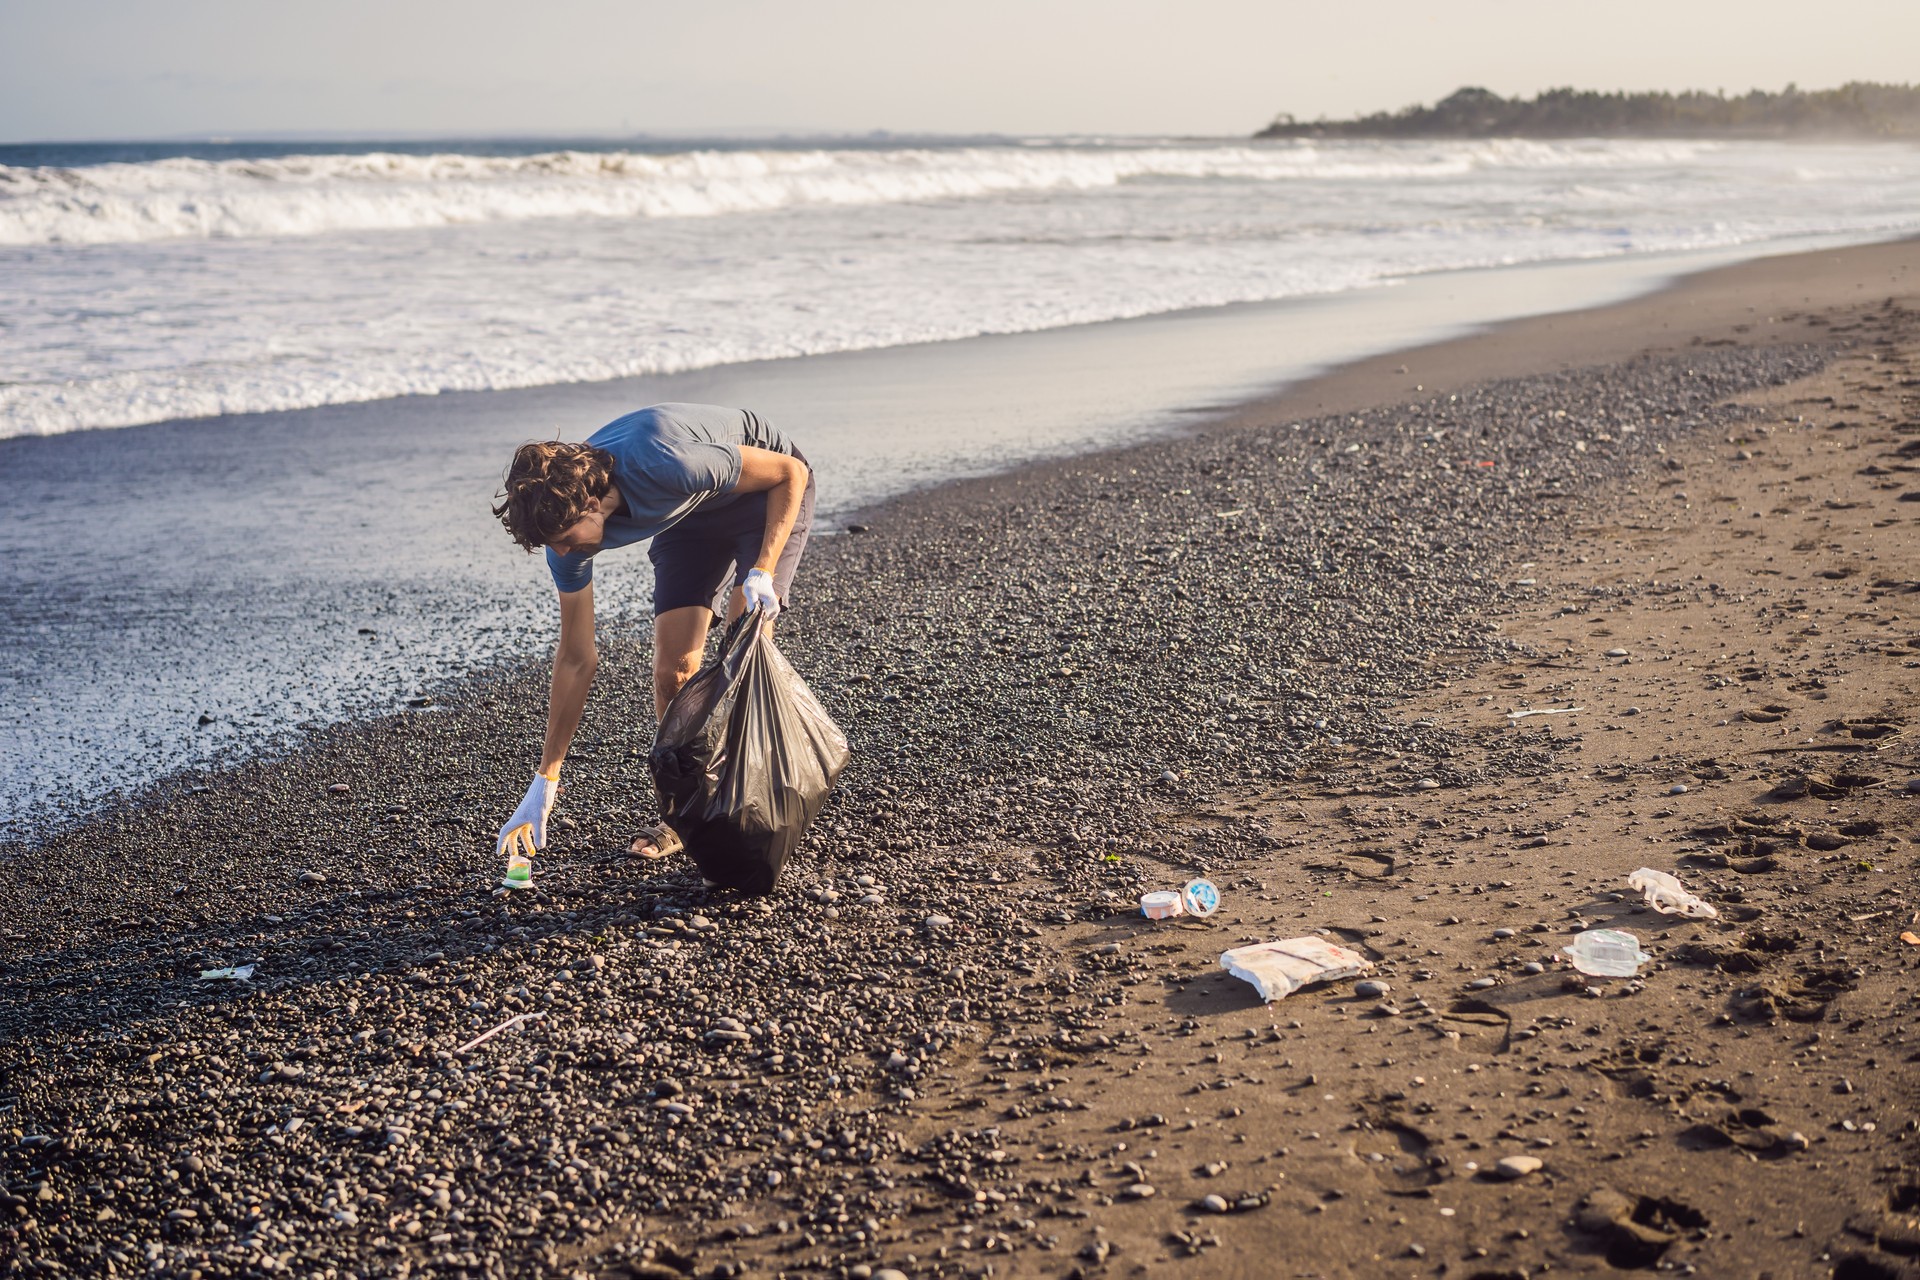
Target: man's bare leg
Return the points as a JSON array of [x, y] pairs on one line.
[[679, 642]]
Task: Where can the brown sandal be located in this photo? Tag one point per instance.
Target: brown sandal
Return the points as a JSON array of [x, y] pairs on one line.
[[663, 839]]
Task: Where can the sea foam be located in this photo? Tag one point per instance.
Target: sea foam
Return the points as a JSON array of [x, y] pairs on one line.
[[308, 195]]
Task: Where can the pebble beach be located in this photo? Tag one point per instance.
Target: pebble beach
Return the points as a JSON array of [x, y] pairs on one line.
[[1279, 650]]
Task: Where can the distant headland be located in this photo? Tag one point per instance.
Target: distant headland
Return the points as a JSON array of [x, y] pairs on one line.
[[1858, 110]]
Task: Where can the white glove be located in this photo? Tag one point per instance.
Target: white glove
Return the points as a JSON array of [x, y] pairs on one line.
[[758, 589], [531, 817]]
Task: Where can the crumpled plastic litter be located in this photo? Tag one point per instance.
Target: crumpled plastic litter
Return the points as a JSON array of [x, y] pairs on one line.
[[235, 973], [744, 758], [1665, 894], [1278, 969]]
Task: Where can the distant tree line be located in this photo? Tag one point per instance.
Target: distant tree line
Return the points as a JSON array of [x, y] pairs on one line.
[[1857, 110]]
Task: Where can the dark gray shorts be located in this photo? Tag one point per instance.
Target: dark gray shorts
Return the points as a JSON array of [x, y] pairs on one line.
[[703, 558]]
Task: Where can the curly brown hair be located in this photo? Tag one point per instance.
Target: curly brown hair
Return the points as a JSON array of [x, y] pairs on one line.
[[548, 487]]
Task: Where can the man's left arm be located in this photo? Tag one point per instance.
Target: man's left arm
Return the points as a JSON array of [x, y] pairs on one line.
[[784, 480]]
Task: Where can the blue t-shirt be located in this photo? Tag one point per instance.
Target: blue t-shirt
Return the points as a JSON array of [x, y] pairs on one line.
[[669, 460]]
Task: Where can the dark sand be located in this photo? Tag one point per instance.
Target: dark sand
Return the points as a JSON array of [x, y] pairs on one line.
[[1240, 653]]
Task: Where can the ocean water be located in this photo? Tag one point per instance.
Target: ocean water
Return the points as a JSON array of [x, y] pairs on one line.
[[148, 283]]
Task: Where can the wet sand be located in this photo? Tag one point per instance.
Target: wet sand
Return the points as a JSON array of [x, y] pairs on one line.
[[1240, 653]]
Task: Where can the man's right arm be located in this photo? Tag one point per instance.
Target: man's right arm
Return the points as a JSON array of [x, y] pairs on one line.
[[574, 661]]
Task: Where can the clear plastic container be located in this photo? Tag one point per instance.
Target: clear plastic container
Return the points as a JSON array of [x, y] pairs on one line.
[[1606, 953]]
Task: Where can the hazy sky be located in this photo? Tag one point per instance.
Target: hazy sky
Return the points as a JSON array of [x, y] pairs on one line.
[[164, 68]]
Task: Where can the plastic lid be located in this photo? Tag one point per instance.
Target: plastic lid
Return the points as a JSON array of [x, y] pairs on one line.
[[1200, 898]]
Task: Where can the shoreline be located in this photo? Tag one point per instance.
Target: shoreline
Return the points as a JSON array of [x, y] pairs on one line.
[[1064, 686], [1641, 275]]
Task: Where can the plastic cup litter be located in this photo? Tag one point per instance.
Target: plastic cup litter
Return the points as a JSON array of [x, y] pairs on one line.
[[1162, 904], [1200, 898], [1197, 898]]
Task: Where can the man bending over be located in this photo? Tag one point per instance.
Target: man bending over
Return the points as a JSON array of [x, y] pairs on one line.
[[727, 501]]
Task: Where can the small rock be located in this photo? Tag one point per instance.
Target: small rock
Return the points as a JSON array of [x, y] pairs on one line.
[[1481, 984], [1139, 1191], [312, 877], [1616, 653], [1678, 789], [1796, 1141], [938, 922], [1372, 988], [1427, 784], [1213, 1203], [1517, 1166], [1505, 933], [339, 789], [1533, 967]]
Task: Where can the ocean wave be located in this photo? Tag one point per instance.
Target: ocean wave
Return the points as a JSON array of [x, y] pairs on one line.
[[313, 194]]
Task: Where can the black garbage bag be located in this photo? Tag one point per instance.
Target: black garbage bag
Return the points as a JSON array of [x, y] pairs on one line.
[[743, 760]]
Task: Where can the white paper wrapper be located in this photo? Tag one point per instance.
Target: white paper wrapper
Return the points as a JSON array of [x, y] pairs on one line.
[[1278, 969]]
